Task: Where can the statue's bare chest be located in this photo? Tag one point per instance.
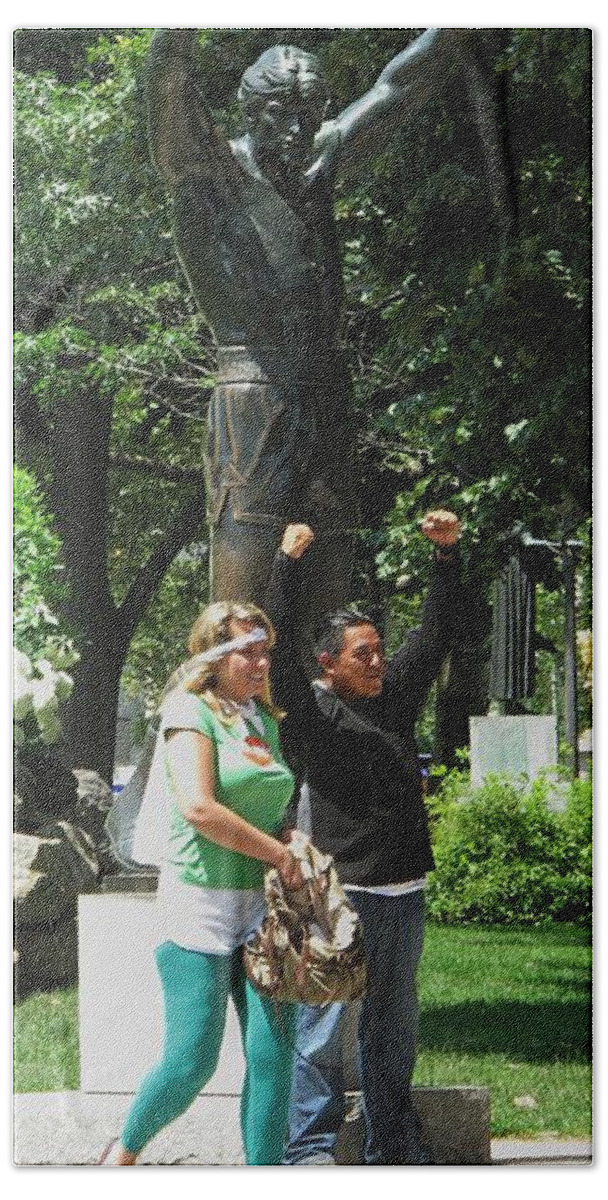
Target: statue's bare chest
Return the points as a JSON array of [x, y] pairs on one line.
[[299, 245], [259, 268]]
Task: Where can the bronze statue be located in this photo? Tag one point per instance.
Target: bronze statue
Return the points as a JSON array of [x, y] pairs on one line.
[[254, 229]]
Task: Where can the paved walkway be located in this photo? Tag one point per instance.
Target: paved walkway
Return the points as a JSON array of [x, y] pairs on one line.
[[71, 1129]]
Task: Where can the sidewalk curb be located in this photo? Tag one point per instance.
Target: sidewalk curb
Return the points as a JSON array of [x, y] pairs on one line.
[[71, 1129], [509, 1152]]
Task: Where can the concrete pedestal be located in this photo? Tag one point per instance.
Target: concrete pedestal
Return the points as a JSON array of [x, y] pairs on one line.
[[511, 746], [455, 1123], [120, 999]]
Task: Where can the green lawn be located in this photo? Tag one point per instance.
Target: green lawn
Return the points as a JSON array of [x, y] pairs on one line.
[[46, 1055], [504, 1008], [510, 1009]]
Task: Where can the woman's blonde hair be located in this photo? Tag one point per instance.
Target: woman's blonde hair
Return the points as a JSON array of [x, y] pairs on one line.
[[211, 628]]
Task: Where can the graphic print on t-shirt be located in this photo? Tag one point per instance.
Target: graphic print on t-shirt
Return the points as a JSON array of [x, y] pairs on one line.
[[258, 751]]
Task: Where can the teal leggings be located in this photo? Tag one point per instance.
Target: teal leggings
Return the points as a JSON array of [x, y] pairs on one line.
[[196, 988]]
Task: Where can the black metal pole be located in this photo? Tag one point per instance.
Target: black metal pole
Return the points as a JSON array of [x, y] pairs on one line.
[[570, 708], [567, 551]]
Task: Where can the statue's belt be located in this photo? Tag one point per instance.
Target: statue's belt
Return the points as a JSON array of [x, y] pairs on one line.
[[290, 364]]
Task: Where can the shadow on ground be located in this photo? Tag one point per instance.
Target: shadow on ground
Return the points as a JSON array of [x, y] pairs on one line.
[[539, 1032]]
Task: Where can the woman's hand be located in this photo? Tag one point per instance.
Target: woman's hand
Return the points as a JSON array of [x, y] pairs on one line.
[[297, 539], [290, 870], [441, 527]]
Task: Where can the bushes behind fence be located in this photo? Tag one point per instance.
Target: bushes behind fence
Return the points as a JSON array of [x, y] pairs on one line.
[[511, 851]]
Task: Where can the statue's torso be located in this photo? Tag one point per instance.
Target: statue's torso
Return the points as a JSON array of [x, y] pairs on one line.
[[261, 272], [267, 276]]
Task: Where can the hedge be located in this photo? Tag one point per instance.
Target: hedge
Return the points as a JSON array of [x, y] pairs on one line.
[[505, 853]]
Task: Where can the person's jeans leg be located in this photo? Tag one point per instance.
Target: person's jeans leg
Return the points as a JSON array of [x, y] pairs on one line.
[[316, 1108], [393, 933]]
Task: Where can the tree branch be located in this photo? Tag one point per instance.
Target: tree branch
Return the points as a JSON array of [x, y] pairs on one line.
[[149, 466], [186, 523]]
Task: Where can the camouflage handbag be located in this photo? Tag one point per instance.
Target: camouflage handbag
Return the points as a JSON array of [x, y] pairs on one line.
[[309, 948]]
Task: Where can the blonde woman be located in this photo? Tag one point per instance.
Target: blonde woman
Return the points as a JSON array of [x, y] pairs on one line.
[[226, 787]]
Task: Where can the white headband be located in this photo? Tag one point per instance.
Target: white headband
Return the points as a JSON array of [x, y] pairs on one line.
[[239, 643], [192, 666]]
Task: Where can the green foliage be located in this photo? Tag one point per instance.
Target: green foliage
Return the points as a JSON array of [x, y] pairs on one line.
[[38, 693], [46, 1042], [37, 574], [506, 853], [473, 357], [100, 299], [73, 176], [42, 647], [160, 640]]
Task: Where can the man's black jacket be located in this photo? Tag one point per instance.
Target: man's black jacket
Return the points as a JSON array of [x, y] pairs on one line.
[[360, 759]]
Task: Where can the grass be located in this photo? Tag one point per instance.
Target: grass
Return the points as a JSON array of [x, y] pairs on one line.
[[46, 1057], [504, 1008], [510, 1009]]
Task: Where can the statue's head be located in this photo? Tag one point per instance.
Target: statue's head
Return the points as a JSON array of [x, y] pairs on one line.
[[284, 97]]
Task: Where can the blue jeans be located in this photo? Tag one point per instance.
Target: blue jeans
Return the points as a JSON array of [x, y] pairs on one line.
[[393, 928]]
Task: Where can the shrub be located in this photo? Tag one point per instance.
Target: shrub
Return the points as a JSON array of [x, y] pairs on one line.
[[505, 854], [38, 691]]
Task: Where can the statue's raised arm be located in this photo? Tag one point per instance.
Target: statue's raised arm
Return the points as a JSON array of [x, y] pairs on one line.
[[413, 77], [183, 140], [402, 87]]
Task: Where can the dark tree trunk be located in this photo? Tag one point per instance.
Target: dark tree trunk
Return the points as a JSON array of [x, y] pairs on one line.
[[89, 724], [102, 630], [80, 502]]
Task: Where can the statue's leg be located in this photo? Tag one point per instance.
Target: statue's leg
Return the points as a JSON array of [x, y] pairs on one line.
[[281, 451], [241, 559], [330, 503], [327, 573], [257, 463]]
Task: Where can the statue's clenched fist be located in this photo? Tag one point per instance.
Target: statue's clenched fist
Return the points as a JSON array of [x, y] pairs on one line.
[[297, 539]]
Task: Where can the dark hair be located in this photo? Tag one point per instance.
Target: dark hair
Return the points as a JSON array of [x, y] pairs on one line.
[[329, 634], [280, 70]]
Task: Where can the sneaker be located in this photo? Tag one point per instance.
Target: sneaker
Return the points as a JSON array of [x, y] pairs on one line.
[[317, 1160]]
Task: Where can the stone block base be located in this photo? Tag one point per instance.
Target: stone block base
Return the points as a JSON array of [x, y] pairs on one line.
[[512, 746], [455, 1123]]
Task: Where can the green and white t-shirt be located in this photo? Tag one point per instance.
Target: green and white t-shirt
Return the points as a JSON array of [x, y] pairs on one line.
[[211, 898]]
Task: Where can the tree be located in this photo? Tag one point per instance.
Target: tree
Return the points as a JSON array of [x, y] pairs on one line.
[[111, 368], [473, 358]]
